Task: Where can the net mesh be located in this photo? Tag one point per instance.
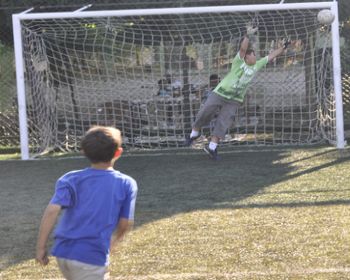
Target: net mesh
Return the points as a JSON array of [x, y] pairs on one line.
[[149, 75]]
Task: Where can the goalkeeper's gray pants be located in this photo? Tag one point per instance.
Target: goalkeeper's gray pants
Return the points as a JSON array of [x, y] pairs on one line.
[[224, 109]]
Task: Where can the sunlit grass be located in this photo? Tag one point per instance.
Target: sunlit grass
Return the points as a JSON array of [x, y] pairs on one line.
[[10, 156]]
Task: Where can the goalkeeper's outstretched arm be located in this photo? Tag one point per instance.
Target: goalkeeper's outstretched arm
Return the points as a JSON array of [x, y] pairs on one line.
[[280, 50], [244, 46], [245, 42]]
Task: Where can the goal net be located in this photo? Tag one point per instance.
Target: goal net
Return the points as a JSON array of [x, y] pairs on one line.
[[147, 72]]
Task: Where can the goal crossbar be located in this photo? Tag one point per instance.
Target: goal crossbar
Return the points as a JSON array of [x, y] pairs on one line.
[[183, 10]]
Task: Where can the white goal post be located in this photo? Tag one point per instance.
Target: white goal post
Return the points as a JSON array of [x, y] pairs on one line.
[[146, 72]]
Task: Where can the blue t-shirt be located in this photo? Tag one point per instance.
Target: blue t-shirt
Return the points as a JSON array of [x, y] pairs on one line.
[[93, 201]]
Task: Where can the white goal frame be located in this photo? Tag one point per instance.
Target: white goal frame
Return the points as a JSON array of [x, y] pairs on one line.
[[80, 13]]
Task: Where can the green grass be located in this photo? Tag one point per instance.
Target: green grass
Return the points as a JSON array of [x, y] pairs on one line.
[[7, 80], [273, 214], [10, 156], [8, 153]]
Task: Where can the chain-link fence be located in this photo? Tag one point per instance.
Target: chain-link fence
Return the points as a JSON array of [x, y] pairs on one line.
[[9, 126]]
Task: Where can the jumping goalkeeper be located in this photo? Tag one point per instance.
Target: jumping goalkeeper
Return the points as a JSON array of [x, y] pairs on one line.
[[229, 94]]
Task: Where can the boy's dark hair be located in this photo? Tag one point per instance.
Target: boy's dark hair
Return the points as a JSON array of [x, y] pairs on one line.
[[100, 143], [249, 51]]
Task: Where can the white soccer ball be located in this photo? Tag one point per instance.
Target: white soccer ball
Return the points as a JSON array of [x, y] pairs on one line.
[[325, 17]]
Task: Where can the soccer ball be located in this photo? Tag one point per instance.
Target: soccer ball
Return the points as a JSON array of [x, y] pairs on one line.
[[325, 17]]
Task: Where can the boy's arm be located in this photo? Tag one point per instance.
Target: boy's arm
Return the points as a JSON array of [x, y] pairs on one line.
[[245, 42], [123, 227], [244, 46], [126, 217], [47, 223], [280, 50]]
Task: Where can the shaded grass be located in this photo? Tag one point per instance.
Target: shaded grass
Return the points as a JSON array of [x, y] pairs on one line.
[[279, 214]]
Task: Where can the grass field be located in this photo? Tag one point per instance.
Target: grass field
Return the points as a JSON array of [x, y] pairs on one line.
[[257, 214]]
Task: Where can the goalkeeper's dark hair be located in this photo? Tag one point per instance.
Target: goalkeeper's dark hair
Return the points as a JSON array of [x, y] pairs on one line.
[[249, 51], [100, 143]]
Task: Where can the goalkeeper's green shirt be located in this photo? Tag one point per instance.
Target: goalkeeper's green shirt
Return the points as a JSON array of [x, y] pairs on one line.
[[235, 83]]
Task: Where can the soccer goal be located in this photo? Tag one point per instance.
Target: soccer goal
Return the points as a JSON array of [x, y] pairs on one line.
[[147, 72]]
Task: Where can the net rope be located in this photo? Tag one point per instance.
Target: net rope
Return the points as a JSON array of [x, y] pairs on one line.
[[149, 75]]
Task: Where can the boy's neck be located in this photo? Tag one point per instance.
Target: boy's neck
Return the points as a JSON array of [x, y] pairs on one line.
[[103, 165]]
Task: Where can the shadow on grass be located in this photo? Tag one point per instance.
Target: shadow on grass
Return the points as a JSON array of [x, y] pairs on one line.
[[168, 185]]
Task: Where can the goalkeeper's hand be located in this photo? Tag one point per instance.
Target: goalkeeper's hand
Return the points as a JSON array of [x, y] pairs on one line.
[[285, 43], [251, 30]]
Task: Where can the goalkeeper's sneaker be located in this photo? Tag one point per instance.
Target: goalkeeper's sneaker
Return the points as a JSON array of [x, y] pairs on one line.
[[213, 154], [189, 140]]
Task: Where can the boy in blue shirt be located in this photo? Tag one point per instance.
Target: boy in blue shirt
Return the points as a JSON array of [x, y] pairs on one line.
[[98, 206]]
